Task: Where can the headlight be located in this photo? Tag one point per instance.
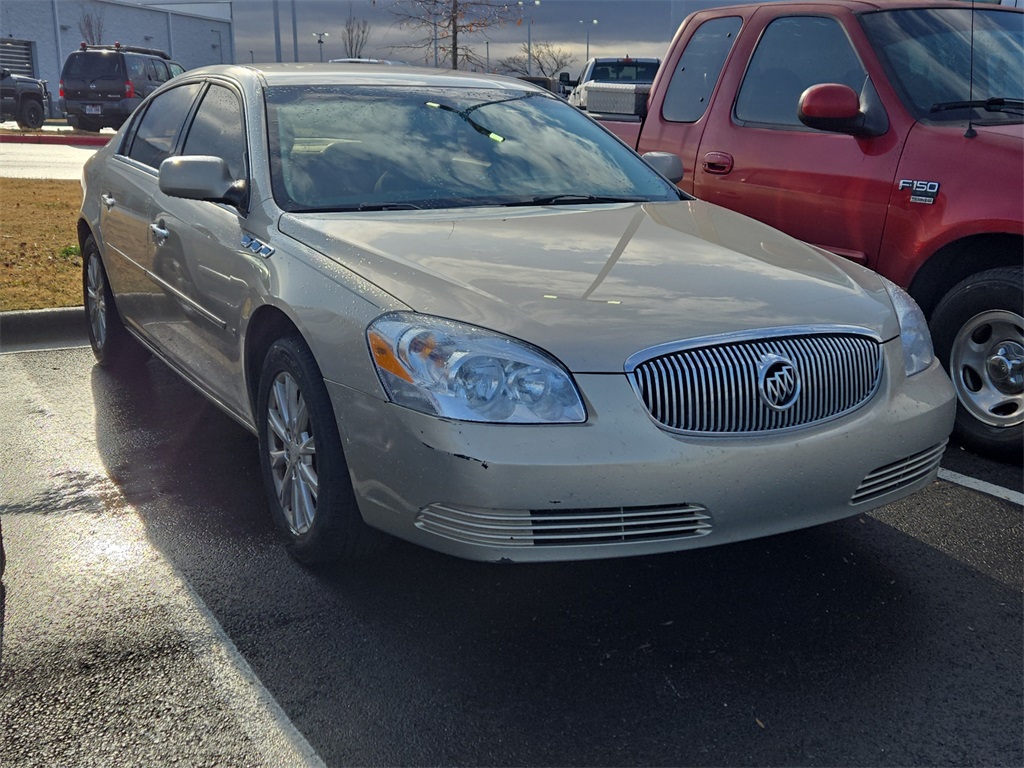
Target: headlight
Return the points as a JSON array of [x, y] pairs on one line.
[[462, 372], [914, 335]]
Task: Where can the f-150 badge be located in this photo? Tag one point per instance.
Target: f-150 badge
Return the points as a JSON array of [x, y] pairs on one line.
[[920, 191]]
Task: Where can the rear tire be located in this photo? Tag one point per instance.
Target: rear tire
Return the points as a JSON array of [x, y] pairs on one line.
[[31, 116], [305, 474], [111, 343], [978, 331]]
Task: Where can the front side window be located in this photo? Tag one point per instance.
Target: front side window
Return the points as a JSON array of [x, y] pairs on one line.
[[794, 53], [217, 130], [927, 54], [355, 147], [159, 126], [698, 70]]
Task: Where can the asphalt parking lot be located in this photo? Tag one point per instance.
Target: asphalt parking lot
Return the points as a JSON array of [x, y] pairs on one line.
[[152, 617]]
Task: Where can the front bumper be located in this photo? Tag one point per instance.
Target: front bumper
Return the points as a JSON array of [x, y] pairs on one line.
[[561, 492]]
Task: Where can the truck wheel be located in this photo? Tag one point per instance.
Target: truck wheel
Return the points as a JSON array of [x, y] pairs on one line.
[[305, 474], [30, 116], [978, 331]]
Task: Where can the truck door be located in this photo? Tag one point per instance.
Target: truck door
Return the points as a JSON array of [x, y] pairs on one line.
[[757, 158]]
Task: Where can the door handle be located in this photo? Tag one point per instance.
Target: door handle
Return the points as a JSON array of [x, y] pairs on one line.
[[159, 233], [718, 163], [108, 201]]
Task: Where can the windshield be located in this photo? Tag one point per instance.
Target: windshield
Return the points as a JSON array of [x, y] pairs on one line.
[[372, 147], [927, 54]]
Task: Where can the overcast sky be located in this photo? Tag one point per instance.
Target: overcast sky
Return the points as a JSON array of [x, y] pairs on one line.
[[633, 27]]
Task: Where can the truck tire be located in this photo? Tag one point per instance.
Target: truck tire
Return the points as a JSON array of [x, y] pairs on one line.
[[30, 116], [978, 332]]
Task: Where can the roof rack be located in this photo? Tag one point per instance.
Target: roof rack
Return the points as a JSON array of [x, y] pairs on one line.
[[125, 49]]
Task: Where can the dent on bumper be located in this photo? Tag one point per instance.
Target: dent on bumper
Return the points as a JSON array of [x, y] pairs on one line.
[[620, 485]]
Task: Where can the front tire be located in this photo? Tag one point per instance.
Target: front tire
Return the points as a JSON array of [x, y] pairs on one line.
[[305, 474], [111, 343], [978, 331]]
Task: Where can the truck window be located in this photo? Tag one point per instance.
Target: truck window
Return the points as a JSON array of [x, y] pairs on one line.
[[927, 54], [795, 53], [696, 74]]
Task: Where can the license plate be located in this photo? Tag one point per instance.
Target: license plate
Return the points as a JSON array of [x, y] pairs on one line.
[[93, 109]]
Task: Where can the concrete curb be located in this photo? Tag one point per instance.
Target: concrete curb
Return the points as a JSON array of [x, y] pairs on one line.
[[42, 328], [54, 138]]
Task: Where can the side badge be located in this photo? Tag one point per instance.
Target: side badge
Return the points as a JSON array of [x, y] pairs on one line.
[[923, 192]]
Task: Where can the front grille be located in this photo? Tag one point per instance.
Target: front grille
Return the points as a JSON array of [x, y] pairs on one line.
[[565, 527], [899, 474], [717, 388]]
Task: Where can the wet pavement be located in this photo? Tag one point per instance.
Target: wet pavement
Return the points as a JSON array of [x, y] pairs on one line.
[[152, 617]]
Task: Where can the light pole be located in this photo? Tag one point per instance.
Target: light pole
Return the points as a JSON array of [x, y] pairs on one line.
[[592, 22], [320, 41], [529, 36]]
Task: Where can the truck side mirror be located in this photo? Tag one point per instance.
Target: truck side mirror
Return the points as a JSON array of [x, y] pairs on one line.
[[837, 108], [4, 73], [667, 164]]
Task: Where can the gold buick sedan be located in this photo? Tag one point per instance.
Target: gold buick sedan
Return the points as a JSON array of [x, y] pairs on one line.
[[456, 311]]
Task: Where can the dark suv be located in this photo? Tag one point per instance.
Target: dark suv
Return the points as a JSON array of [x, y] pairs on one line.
[[24, 99], [101, 85]]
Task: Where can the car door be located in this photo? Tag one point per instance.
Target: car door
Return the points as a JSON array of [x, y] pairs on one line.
[[126, 194], [8, 95], [758, 158], [201, 261]]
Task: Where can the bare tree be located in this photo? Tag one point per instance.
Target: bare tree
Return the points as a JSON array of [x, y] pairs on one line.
[[90, 25], [547, 60], [355, 35], [441, 22]]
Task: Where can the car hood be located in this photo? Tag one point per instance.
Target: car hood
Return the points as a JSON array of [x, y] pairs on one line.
[[593, 285]]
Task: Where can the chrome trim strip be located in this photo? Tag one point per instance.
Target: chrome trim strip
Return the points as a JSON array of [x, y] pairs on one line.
[[755, 334]]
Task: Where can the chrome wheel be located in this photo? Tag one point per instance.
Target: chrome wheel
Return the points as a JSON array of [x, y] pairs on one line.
[[987, 367], [96, 301], [292, 453]]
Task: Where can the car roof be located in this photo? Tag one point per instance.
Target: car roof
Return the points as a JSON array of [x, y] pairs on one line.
[[359, 74]]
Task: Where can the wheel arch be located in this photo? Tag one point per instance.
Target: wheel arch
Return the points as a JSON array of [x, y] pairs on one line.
[[267, 324], [958, 260]]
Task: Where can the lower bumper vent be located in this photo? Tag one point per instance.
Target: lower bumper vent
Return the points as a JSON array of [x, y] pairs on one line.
[[565, 527], [899, 474]]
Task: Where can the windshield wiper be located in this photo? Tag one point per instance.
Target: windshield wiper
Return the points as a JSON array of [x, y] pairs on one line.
[[573, 199], [997, 104], [388, 207]]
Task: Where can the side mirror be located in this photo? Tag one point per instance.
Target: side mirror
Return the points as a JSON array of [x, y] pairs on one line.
[[667, 164], [201, 177], [4, 73], [563, 78], [837, 108]]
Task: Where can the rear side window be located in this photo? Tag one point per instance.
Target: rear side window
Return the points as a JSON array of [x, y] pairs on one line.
[[794, 53], [136, 67], [94, 66], [157, 130], [156, 71], [698, 70]]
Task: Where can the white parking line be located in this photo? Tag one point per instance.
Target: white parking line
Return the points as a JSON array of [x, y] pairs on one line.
[[980, 485]]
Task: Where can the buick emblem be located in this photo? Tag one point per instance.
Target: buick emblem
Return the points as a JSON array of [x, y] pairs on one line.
[[778, 382]]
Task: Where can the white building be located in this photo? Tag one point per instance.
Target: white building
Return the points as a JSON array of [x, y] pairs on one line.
[[36, 36]]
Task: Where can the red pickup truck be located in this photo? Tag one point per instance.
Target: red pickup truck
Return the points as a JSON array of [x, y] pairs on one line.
[[888, 132]]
